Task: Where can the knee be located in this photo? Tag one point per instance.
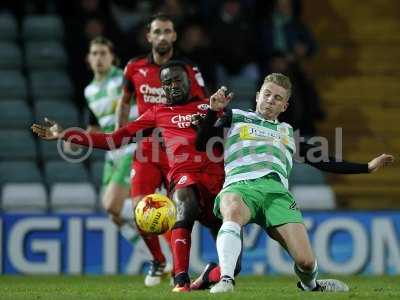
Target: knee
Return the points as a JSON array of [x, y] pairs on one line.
[[186, 206], [231, 211]]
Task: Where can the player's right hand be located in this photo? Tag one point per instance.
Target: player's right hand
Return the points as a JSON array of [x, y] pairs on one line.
[[50, 131], [220, 99]]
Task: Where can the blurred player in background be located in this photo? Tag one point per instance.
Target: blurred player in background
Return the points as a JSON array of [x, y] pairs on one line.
[[102, 95], [142, 85]]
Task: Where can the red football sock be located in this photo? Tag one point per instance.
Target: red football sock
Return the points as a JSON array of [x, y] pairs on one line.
[[153, 244], [214, 275], [181, 241], [167, 236]]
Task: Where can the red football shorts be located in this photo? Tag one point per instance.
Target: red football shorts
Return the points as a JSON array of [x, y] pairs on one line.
[[207, 186], [148, 172]]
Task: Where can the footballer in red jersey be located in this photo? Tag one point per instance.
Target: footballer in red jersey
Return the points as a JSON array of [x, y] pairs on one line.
[[142, 80], [142, 83], [194, 179]]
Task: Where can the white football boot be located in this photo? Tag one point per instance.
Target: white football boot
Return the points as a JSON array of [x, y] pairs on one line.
[[225, 285], [327, 285]]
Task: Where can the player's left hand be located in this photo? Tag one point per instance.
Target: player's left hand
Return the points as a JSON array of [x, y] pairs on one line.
[[220, 99], [379, 162], [50, 131]]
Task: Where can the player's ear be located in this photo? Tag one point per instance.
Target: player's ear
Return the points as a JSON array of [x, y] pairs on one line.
[[174, 36], [285, 106], [148, 36]]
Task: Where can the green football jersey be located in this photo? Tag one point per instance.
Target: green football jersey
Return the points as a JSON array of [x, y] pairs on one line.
[[102, 98], [255, 147]]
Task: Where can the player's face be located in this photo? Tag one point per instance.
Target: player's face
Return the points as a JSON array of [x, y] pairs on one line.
[[272, 100], [100, 58], [175, 82], [161, 36]]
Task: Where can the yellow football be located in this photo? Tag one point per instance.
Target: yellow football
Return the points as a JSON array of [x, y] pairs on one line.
[[155, 213]]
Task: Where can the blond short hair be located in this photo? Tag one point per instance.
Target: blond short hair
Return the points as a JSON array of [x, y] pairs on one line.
[[281, 80]]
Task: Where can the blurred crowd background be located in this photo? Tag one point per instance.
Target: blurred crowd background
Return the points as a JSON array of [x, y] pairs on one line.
[[342, 61], [228, 39]]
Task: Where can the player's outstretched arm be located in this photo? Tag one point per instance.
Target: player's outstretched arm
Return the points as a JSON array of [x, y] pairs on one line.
[[117, 139], [112, 141], [220, 99], [343, 167], [50, 131], [380, 162]]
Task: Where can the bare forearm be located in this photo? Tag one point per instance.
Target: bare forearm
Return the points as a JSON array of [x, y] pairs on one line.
[[123, 110]]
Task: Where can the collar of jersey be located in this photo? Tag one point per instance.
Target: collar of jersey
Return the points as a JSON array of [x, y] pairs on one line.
[[105, 77], [264, 119], [150, 57], [191, 100]]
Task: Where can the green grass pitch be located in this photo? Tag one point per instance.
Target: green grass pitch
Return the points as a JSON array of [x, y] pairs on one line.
[[131, 287]]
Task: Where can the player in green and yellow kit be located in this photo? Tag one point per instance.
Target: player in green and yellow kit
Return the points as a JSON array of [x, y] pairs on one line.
[[102, 95], [258, 158]]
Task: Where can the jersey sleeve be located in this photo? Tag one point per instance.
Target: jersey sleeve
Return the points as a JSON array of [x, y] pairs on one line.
[[330, 164], [111, 141], [212, 126], [196, 78]]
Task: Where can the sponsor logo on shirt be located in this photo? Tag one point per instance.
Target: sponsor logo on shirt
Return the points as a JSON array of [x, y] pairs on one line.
[[183, 121], [203, 106], [152, 94], [250, 132], [182, 180]]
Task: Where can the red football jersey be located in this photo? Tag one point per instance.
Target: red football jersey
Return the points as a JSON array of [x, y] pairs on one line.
[[141, 78], [178, 135]]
